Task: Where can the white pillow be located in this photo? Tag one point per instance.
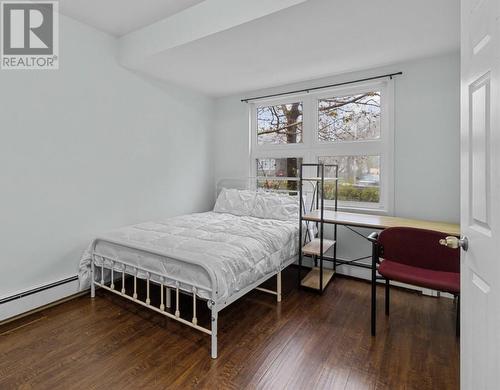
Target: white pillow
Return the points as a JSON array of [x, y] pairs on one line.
[[236, 202], [276, 206]]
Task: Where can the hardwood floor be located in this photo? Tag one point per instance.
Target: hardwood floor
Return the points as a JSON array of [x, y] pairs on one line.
[[306, 342]]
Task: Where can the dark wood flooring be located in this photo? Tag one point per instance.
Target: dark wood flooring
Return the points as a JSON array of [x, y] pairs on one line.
[[306, 342]]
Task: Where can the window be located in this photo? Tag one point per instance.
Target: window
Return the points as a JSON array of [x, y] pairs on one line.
[[350, 127], [271, 170], [349, 118], [359, 178], [280, 124]]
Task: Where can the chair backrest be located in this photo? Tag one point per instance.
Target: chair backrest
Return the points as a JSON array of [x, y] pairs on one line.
[[418, 248]]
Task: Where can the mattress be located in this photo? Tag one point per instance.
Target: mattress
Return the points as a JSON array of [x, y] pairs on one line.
[[236, 251]]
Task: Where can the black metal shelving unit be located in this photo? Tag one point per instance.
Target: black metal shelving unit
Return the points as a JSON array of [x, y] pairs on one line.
[[314, 244]]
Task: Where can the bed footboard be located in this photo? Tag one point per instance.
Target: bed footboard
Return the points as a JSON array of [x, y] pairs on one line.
[[116, 284]]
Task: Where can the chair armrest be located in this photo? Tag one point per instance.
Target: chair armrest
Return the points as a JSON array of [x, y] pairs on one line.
[[373, 237], [376, 251]]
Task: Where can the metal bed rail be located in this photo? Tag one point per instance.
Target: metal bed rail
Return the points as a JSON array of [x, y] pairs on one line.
[[167, 283]]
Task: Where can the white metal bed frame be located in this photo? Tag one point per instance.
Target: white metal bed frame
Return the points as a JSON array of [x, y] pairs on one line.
[[114, 265]]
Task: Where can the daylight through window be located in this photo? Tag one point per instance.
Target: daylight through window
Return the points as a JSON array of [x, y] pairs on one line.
[[351, 127]]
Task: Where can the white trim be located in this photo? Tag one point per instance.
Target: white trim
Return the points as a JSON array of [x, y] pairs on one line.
[[310, 149], [36, 300], [346, 91], [253, 124]]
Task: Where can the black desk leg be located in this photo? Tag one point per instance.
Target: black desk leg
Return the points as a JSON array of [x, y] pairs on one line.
[[374, 287], [387, 296]]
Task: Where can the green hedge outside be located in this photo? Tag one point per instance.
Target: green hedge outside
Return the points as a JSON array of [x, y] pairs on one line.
[[348, 192]]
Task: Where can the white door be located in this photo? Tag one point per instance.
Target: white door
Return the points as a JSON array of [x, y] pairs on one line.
[[480, 193]]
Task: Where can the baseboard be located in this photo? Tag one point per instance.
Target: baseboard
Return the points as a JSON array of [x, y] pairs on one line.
[[19, 304]]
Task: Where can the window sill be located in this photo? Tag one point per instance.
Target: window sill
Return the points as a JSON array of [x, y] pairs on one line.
[[361, 210]]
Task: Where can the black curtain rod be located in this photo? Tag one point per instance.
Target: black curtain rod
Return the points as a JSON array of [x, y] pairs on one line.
[[391, 75]]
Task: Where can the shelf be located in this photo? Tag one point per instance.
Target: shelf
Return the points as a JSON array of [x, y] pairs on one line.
[[319, 179], [311, 280], [313, 247]]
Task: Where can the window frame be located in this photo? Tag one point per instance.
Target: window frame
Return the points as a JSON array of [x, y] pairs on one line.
[[311, 148]]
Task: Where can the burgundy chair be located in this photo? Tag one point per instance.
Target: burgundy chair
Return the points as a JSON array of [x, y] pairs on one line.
[[416, 257]]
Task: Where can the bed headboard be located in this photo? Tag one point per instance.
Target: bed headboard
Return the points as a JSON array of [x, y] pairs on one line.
[[270, 184]]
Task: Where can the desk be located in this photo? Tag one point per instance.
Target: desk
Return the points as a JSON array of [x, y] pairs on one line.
[[370, 221], [377, 222]]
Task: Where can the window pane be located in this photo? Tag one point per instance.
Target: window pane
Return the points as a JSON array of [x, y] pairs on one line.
[[281, 124], [359, 178], [349, 118], [277, 167]]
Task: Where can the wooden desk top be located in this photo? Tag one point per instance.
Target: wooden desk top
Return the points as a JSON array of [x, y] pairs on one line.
[[381, 221]]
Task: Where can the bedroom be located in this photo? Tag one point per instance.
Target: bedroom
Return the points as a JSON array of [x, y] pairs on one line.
[[230, 180]]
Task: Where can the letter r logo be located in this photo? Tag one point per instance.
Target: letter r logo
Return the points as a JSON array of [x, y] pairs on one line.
[[27, 28]]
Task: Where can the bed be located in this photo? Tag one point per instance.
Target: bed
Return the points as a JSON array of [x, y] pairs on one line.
[[216, 256]]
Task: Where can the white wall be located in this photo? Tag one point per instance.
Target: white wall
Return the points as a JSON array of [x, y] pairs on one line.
[[426, 139], [94, 146], [88, 148]]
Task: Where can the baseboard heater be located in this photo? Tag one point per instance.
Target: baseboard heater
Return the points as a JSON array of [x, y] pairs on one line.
[[38, 289]]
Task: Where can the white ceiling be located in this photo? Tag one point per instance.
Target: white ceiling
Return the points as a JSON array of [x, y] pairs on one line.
[[119, 17], [306, 41]]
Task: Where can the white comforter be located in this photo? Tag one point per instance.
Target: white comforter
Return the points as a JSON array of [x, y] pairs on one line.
[[237, 250]]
